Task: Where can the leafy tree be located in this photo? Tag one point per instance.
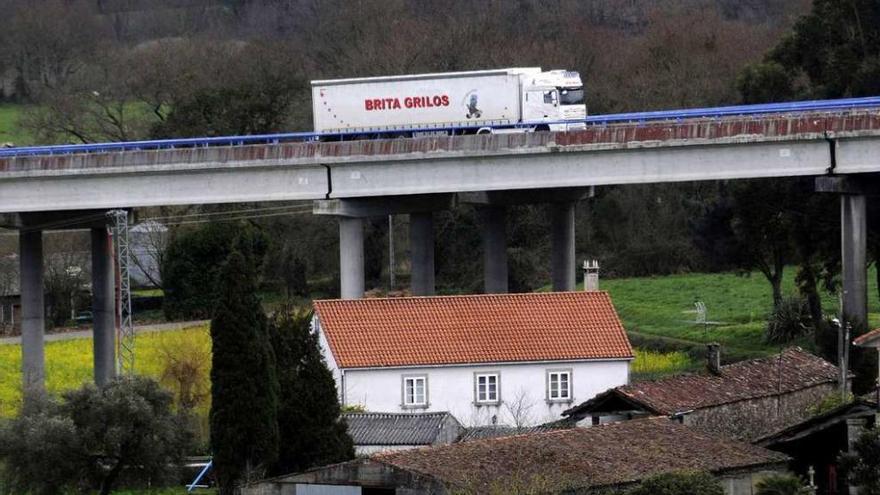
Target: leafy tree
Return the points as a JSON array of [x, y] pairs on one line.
[[682, 483], [244, 384], [863, 464], [832, 52], [312, 432], [92, 436], [783, 484], [191, 265]]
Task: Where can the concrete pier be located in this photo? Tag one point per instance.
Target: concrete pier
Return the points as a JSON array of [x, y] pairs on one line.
[[562, 240], [351, 257], [103, 307], [494, 219], [33, 360], [421, 247], [853, 244]]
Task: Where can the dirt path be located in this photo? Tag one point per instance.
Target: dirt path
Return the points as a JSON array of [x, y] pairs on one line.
[[87, 333]]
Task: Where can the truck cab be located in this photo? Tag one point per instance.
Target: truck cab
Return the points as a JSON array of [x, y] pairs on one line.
[[553, 100]]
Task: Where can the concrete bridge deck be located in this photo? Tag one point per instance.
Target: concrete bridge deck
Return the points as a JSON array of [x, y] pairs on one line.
[[665, 151]]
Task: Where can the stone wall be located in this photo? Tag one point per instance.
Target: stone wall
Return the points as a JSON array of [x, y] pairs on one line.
[[750, 420]]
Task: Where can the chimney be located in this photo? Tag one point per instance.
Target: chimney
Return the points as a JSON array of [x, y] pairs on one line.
[[713, 358], [591, 275]]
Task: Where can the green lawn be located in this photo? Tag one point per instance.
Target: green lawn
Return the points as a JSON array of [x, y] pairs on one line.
[[10, 132], [664, 307]]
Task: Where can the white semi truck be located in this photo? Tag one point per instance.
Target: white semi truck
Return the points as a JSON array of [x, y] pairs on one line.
[[488, 101]]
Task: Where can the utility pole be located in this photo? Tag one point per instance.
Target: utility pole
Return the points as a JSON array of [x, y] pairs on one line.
[[391, 252], [125, 354]]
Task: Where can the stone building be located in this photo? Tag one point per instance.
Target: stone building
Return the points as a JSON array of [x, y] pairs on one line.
[[745, 400], [577, 460]]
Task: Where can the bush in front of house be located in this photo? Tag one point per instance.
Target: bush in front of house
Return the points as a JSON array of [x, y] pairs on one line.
[[92, 438], [680, 483], [788, 321], [782, 484]]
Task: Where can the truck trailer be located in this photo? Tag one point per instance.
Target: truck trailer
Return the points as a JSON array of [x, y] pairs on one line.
[[488, 101]]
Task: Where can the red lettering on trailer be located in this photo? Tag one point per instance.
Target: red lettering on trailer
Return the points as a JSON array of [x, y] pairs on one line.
[[371, 104]]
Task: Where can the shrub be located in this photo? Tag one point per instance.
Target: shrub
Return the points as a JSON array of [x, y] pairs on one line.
[[681, 483], [91, 437], [782, 484], [788, 321]]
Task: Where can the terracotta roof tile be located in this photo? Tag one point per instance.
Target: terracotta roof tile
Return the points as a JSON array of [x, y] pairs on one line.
[[791, 370], [868, 337], [411, 331], [605, 455]]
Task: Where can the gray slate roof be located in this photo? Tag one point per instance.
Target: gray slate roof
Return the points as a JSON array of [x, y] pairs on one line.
[[395, 428]]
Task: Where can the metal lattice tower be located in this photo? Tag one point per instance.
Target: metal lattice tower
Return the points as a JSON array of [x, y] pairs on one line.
[[125, 327]]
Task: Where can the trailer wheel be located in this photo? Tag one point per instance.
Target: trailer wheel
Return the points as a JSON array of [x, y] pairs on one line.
[[484, 130], [542, 128]]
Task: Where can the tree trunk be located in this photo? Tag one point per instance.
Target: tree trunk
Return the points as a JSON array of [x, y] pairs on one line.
[[806, 280], [107, 482], [776, 283]]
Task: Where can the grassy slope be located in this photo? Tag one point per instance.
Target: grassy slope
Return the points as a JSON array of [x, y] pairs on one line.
[[9, 130], [662, 306]]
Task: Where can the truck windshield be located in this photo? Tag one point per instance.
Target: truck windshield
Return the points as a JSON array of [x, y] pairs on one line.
[[571, 96]]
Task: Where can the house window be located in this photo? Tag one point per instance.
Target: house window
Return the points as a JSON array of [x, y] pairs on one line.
[[486, 388], [559, 385], [415, 391]]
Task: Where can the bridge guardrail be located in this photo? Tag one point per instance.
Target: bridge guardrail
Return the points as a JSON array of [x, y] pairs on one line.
[[846, 104]]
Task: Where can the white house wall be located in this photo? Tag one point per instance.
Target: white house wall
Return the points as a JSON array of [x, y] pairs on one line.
[[523, 388]]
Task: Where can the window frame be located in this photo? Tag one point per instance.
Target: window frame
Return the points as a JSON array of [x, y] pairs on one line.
[[569, 389], [403, 397], [487, 401]]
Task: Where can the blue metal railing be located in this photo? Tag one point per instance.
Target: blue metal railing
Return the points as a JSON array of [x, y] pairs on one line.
[[195, 483], [634, 117]]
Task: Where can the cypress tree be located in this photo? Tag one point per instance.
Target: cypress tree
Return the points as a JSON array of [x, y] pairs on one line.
[[312, 431], [244, 384]]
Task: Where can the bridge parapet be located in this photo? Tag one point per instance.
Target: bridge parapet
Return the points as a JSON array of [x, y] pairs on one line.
[[610, 136]]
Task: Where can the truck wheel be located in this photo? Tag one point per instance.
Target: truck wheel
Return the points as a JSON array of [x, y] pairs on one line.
[[542, 128], [484, 130]]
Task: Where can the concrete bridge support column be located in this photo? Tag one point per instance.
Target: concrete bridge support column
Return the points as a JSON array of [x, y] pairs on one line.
[[562, 237], [421, 247], [351, 257], [32, 313], [494, 220], [103, 307], [853, 243]]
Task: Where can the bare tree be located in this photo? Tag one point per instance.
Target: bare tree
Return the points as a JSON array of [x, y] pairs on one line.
[[520, 410]]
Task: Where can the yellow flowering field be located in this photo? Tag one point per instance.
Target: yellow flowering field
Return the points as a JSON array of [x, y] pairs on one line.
[[659, 363], [69, 364]]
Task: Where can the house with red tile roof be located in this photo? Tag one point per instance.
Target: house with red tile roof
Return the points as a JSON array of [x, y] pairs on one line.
[[745, 400], [517, 359]]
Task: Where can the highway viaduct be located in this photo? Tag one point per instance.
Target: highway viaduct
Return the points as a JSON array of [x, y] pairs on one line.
[[357, 179]]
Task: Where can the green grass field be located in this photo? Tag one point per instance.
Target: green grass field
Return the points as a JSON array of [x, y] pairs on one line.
[[664, 307], [10, 132]]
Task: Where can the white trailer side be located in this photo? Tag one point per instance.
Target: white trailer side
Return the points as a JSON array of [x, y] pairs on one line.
[[461, 99]]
